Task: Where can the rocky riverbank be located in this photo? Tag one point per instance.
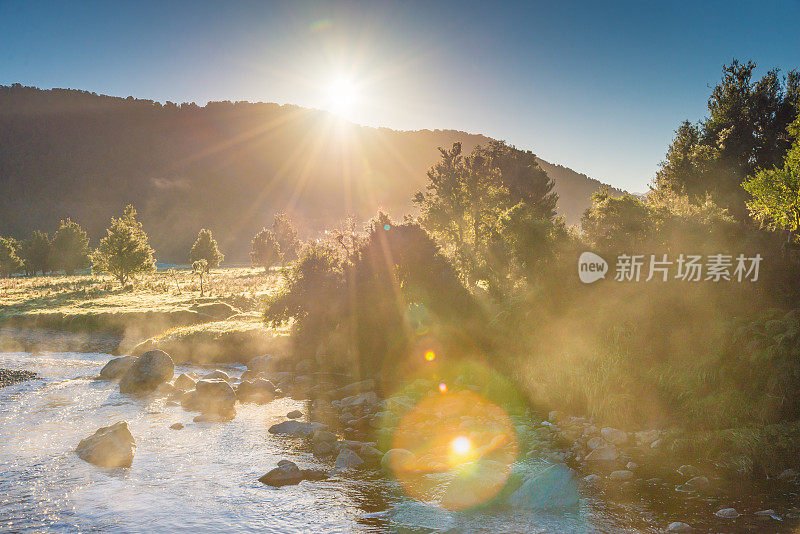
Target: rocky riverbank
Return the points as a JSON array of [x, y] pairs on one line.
[[10, 376]]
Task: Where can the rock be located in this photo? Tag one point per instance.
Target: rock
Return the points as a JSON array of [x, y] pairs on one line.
[[694, 485], [259, 364], [110, 446], [603, 454], [322, 448], [555, 416], [646, 437], [304, 366], [213, 398], [631, 466], [314, 474], [287, 473], [259, 391], [296, 429], [766, 513], [370, 454], [323, 436], [727, 513], [677, 526], [596, 443], [788, 474], [396, 460], [117, 367], [614, 436], [592, 480], [553, 488], [347, 459], [252, 375], [176, 426], [165, 389], [217, 375], [185, 382], [354, 388], [294, 414], [471, 482], [621, 476], [152, 368], [687, 471]]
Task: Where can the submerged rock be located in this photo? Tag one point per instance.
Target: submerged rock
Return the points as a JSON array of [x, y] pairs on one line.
[[213, 398], [347, 459], [551, 489], [296, 429], [152, 368], [117, 367], [110, 446]]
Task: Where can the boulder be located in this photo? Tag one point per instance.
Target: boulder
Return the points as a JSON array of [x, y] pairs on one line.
[[287, 473], [152, 368], [552, 489], [397, 460], [297, 429], [603, 454], [694, 484], [727, 513], [347, 459], [677, 526], [314, 474], [259, 390], [614, 436], [110, 446], [596, 443], [117, 367], [294, 414], [259, 364], [354, 388], [185, 382], [621, 476], [217, 374], [252, 375], [591, 480], [323, 436], [213, 398], [322, 448]]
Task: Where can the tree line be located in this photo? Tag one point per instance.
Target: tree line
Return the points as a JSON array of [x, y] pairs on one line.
[[125, 252]]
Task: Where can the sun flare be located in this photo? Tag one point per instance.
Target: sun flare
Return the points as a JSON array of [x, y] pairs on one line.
[[342, 95]]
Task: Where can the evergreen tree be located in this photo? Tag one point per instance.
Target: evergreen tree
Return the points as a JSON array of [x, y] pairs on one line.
[[124, 251], [264, 250], [37, 253], [70, 247], [286, 235], [205, 248], [9, 261]]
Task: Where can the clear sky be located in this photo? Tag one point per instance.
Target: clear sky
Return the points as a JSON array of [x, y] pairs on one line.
[[596, 86]]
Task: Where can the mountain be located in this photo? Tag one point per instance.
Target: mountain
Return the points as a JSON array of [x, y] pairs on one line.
[[225, 166]]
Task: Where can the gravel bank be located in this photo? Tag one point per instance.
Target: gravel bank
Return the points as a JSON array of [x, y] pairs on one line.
[[9, 376]]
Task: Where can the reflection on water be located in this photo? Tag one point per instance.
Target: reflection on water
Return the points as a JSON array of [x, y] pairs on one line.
[[204, 477]]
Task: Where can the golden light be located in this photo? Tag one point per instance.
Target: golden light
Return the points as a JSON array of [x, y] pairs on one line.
[[342, 95], [430, 355], [442, 387], [461, 445]]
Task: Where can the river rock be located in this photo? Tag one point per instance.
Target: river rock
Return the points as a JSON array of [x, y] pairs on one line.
[[117, 367], [694, 485], [152, 368], [294, 414], [259, 391], [314, 474], [551, 489], [297, 429], [622, 475], [287, 473], [677, 526], [591, 480], [596, 443], [176, 426], [687, 470], [185, 382], [214, 398], [323, 436], [217, 375], [259, 364], [322, 448], [110, 446], [603, 454], [614, 436], [347, 459], [727, 513]]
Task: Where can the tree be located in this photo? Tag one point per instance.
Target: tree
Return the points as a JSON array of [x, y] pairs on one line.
[[124, 252], [37, 253], [205, 248], [9, 261], [775, 193], [286, 235], [70, 247], [615, 221], [264, 250], [200, 267], [744, 131]]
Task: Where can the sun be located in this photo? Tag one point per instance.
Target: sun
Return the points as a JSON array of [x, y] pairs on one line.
[[342, 95]]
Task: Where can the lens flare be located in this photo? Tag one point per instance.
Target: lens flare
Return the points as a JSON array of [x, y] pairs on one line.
[[461, 445], [442, 387], [430, 355]]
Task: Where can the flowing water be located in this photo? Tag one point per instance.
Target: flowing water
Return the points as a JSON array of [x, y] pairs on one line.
[[205, 476]]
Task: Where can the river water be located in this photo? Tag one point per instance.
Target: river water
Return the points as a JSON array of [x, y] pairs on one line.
[[204, 478]]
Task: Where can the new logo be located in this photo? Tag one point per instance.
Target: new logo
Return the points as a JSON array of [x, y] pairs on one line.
[[591, 267]]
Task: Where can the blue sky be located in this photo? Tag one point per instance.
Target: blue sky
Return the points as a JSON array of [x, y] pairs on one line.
[[596, 86]]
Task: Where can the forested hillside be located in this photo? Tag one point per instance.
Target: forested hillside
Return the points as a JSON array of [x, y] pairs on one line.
[[226, 166]]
